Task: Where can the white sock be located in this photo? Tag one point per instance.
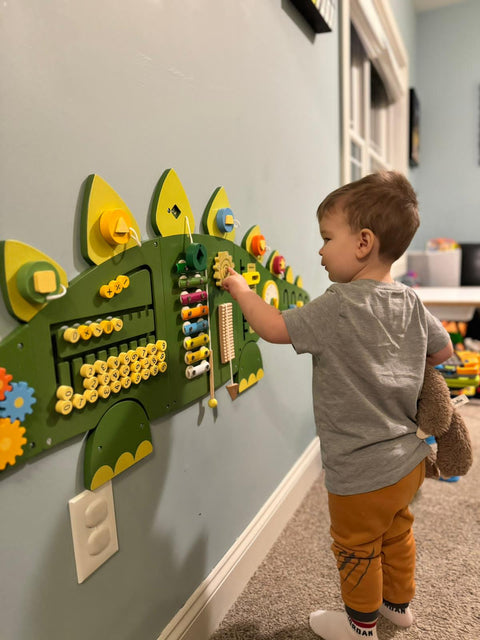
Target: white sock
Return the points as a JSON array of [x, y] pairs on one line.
[[336, 625], [401, 615]]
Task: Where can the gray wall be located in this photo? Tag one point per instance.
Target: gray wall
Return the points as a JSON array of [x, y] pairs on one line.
[[230, 92], [448, 80]]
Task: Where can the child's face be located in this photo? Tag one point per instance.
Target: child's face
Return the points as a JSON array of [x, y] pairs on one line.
[[339, 247]]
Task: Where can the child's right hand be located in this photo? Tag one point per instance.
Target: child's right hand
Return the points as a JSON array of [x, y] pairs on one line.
[[235, 284]]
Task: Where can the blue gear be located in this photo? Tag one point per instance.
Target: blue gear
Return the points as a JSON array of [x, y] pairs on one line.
[[18, 402]]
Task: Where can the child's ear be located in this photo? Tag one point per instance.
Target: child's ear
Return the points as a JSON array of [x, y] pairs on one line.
[[366, 240]]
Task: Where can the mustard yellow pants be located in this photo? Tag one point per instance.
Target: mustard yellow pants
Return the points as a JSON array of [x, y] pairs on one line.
[[374, 545]]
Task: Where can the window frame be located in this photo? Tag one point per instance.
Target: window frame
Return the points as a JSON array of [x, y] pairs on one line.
[[377, 30]]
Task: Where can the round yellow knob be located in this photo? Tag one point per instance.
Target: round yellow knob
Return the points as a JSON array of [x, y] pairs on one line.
[[64, 407], [125, 382], [85, 331], [124, 281], [90, 395], [106, 291], [212, 403], [71, 335], [64, 392], [103, 379], [107, 326], [96, 328], [100, 366], [124, 358], [90, 383], [116, 386], [113, 362], [87, 371], [104, 391], [117, 324], [78, 401]]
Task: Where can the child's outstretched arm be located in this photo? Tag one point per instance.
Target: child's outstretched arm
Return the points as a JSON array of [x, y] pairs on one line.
[[264, 319]]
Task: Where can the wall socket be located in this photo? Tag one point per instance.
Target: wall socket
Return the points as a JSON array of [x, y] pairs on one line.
[[94, 529]]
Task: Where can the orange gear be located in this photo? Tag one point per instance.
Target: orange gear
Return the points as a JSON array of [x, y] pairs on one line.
[[11, 442], [5, 385]]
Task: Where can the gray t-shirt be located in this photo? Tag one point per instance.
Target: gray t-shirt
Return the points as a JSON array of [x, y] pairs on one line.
[[369, 341]]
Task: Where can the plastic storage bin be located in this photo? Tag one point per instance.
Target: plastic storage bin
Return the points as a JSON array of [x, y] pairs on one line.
[[436, 268]]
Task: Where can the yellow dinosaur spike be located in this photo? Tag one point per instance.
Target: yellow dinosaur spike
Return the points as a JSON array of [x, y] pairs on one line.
[[171, 213], [27, 277], [106, 223]]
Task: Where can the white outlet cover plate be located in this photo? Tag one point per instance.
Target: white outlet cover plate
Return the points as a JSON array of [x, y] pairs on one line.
[[94, 529]]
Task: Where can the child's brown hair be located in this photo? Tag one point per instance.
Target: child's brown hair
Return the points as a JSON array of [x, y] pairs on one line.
[[383, 202]]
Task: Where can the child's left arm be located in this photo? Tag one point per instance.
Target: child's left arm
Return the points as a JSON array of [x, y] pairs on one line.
[[264, 319]]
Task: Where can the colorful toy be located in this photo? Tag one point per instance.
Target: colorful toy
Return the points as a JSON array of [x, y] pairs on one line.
[[134, 337], [462, 372]]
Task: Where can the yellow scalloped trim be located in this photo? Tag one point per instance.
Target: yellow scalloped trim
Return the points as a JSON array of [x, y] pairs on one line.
[[252, 379], [105, 473], [102, 474]]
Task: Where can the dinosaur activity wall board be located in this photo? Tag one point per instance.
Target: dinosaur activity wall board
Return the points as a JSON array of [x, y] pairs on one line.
[[144, 331]]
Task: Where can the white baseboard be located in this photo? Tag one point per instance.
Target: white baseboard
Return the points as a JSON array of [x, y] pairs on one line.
[[208, 605]]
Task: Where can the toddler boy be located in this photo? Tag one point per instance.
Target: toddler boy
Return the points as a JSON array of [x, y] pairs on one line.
[[369, 338]]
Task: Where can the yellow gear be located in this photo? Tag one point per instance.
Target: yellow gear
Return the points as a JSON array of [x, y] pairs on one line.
[[223, 260], [11, 442]]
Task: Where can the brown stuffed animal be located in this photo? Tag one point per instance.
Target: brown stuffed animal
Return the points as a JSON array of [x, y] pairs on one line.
[[436, 416]]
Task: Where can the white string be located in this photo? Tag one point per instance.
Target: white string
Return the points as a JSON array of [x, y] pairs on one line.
[[134, 235], [189, 231], [55, 296]]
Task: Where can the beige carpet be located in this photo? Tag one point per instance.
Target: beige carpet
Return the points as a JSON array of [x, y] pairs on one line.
[[299, 574]]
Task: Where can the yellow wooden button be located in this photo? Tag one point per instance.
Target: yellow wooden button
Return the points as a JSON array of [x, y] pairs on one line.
[[103, 379], [125, 382], [100, 366], [114, 374], [71, 335], [104, 391], [151, 348], [106, 291], [64, 407], [107, 326], [124, 281], [141, 352], [113, 362], [135, 366], [90, 395], [90, 383], [133, 355], [136, 378], [162, 367], [85, 332], [124, 370], [87, 371], [115, 386], [64, 392], [78, 401], [161, 345], [145, 373], [154, 370], [96, 328], [117, 324], [124, 358]]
